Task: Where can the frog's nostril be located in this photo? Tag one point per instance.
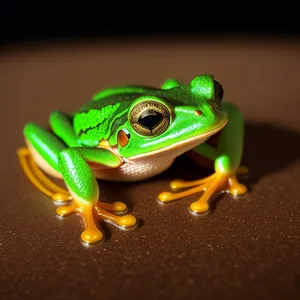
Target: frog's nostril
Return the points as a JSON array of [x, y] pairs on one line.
[[198, 113]]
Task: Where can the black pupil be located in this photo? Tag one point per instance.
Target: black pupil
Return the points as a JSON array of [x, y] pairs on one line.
[[150, 119]]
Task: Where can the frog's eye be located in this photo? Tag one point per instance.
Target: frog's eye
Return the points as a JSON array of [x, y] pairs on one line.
[[219, 92], [150, 118]]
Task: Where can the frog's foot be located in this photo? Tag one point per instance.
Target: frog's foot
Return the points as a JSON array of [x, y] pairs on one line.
[[124, 222], [49, 188], [212, 186], [88, 212], [91, 234], [115, 207]]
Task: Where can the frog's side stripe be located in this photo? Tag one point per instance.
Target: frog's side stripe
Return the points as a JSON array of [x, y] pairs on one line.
[[116, 123], [121, 90], [95, 125], [85, 121]]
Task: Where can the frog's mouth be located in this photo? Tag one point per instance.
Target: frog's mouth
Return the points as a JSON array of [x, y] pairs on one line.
[[181, 147]]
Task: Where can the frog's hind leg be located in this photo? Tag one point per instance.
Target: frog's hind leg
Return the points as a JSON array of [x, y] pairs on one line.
[[170, 83], [227, 157], [39, 179], [41, 154]]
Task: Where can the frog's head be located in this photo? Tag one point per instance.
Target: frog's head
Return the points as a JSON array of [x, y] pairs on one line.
[[173, 120]]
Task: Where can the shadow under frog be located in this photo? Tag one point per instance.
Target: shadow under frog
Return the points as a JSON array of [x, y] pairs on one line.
[[268, 148]]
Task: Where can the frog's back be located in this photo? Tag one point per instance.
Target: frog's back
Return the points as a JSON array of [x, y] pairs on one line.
[[98, 119]]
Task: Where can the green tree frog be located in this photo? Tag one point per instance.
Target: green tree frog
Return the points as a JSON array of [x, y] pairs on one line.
[[131, 133]]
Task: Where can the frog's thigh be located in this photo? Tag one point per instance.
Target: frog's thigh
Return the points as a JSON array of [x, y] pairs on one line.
[[230, 142], [171, 83], [44, 148]]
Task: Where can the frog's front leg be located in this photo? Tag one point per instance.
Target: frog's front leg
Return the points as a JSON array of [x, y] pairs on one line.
[[51, 154], [83, 187], [227, 157]]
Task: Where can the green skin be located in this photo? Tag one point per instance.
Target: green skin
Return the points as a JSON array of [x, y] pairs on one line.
[[76, 136]]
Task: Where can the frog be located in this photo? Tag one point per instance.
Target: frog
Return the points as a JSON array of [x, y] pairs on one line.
[[131, 133]]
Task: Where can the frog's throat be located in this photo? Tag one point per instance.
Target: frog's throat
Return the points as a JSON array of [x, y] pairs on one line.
[[192, 142]]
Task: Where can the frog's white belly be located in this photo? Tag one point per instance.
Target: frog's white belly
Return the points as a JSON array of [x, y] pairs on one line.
[[147, 166], [136, 170]]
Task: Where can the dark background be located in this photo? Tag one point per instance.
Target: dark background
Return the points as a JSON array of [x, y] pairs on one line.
[[42, 21]]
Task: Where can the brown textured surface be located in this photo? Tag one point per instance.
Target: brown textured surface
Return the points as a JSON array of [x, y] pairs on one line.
[[246, 248]]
